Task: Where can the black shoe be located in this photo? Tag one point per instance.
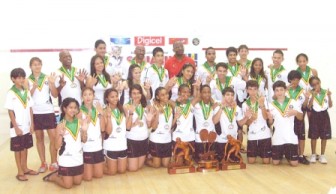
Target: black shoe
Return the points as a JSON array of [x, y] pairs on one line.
[[303, 160]]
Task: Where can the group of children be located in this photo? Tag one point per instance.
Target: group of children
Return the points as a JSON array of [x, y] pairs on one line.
[[112, 122]]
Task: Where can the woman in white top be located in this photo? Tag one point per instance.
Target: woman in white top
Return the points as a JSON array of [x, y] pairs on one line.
[[93, 149], [99, 79], [134, 77], [41, 86], [257, 73], [185, 76], [115, 143], [137, 126]]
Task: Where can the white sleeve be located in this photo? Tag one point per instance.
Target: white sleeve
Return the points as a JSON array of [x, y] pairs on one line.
[[239, 84], [240, 115], [9, 101]]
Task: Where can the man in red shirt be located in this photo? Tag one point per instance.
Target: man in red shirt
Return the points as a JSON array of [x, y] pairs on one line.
[[174, 64]]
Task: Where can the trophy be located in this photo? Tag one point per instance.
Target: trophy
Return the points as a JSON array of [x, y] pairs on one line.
[[232, 159], [207, 162], [182, 161]]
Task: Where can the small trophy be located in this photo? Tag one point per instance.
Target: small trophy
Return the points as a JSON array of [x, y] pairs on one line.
[[232, 159], [182, 161], [207, 162]]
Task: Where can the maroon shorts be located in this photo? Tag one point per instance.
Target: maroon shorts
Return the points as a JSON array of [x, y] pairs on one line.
[[261, 148], [299, 129], [137, 148], [44, 121], [114, 155], [93, 157], [70, 171], [20, 143], [219, 148], [289, 150], [160, 150], [319, 125]]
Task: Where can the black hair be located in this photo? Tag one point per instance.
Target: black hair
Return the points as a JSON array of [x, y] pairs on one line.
[[301, 55], [207, 49], [252, 84], [99, 42], [34, 59], [182, 86], [231, 49], [156, 50], [185, 66], [279, 84], [243, 46], [143, 99], [204, 86], [65, 103], [130, 74], [227, 90], [157, 91], [262, 72], [221, 64], [17, 72], [93, 69], [293, 75], [312, 79], [278, 51], [107, 93]]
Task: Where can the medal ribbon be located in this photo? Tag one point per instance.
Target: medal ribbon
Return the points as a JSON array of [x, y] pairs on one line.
[[275, 72], [93, 113], [282, 108], [254, 106], [206, 108], [159, 71], [71, 76], [211, 70], [117, 115], [142, 64], [228, 80], [294, 94], [102, 80], [186, 109], [40, 80], [305, 75], [234, 69], [167, 111], [22, 97], [229, 112], [140, 111]]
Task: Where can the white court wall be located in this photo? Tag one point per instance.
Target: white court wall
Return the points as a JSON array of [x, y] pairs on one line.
[[299, 26]]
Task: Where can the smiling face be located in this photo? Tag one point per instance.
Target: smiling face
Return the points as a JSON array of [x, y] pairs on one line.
[[65, 58], [188, 72], [112, 98], [184, 93], [206, 94], [101, 50], [99, 65], [71, 110], [163, 96], [211, 55], [228, 97], [232, 57], [178, 48], [221, 72], [243, 53], [136, 74], [302, 62], [140, 52], [277, 59], [257, 66], [36, 66], [279, 92], [136, 95]]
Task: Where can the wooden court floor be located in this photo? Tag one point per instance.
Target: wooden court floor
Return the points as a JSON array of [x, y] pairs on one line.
[[257, 178]]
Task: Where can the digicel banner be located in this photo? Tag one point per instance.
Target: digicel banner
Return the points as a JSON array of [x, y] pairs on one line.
[[149, 40]]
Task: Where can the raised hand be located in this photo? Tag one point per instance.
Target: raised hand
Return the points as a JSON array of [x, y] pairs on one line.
[[248, 113], [328, 92], [172, 82], [209, 78], [147, 84], [52, 78], [290, 112], [99, 108], [197, 82], [150, 112], [91, 80], [62, 82], [261, 100], [178, 112], [82, 75], [243, 71], [307, 94]]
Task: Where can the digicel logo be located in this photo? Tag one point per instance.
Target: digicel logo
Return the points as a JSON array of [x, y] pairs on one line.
[[149, 40], [183, 40]]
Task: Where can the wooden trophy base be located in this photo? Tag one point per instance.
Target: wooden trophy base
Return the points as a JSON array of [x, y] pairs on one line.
[[181, 169], [208, 166], [233, 166]]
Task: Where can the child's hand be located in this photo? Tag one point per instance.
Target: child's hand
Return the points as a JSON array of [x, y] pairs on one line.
[[172, 82], [99, 108], [61, 128], [307, 94], [178, 112], [248, 113], [147, 85], [290, 113], [18, 131], [261, 100], [269, 115], [328, 92]]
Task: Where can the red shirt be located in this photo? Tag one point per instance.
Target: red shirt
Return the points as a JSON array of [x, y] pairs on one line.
[[174, 65]]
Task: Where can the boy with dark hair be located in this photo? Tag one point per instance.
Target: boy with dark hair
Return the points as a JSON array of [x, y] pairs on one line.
[[282, 112], [19, 103]]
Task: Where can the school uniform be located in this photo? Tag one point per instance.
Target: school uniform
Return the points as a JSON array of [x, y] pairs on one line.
[[100, 88], [227, 126], [240, 93], [217, 87], [261, 83], [43, 109], [115, 144], [205, 70], [158, 77], [174, 90], [184, 125], [137, 136], [284, 139], [72, 86], [93, 149], [259, 134], [319, 121], [20, 102], [203, 114], [274, 75], [160, 140], [306, 75], [70, 158]]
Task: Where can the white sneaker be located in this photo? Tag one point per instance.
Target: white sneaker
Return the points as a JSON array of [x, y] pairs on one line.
[[313, 158], [323, 159]]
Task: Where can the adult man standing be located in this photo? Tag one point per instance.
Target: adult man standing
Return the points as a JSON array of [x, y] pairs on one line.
[[139, 58], [175, 63]]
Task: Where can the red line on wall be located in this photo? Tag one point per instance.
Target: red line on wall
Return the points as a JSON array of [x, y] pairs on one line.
[[252, 49], [47, 50]]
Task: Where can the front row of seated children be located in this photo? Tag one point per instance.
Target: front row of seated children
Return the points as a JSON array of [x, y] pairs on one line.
[[92, 140]]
